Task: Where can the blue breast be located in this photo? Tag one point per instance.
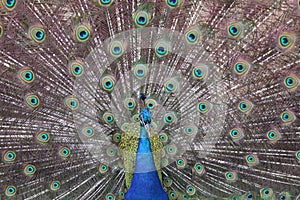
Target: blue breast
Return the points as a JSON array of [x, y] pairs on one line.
[[145, 184]]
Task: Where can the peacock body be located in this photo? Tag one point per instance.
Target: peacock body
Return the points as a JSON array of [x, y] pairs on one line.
[[150, 100]]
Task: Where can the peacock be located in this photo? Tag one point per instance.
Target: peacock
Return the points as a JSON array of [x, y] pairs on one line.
[[150, 100]]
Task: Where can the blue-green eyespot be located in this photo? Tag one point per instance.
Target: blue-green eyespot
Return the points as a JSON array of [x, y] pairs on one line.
[[235, 30], [236, 134], [174, 3], [55, 185], [82, 32], [116, 48], [286, 40], [105, 3], [32, 100], [26, 75], [103, 168], [242, 67], [64, 152], [199, 168], [190, 190], [291, 82], [108, 83], [29, 170], [245, 106], [10, 191], [204, 107], [9, 156], [76, 68], [288, 117], [109, 118], [43, 137], [252, 160], [72, 103], [231, 176], [37, 34]]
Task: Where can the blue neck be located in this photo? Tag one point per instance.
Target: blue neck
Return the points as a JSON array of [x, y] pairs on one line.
[[145, 184]]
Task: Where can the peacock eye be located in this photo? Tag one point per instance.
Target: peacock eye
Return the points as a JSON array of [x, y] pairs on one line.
[[55, 185], [116, 48], [193, 36], [199, 168], [88, 131], [200, 72], [82, 33], [172, 195], [181, 163], [249, 196], [266, 192], [241, 67], [32, 100], [109, 118], [298, 155], [141, 19], [10, 191], [29, 170], [190, 130], [111, 152], [151, 104], [233, 197], [171, 149], [26, 75], [76, 68], [162, 48], [285, 196], [163, 137], [231, 176], [117, 137], [103, 168], [171, 85], [291, 82], [108, 83], [190, 190], [109, 196], [37, 34], [72, 103], [236, 134], [105, 3], [252, 160], [273, 136], [286, 40], [167, 182], [174, 3], [10, 4], [204, 107], [234, 30], [43, 137], [288, 117], [9, 156], [122, 194], [170, 118], [129, 103], [184, 196], [140, 71], [64, 152], [245, 106]]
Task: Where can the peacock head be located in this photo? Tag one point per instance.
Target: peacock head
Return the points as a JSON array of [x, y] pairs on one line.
[[145, 117]]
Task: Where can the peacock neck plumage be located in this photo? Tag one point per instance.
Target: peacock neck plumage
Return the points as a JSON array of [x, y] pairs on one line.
[[145, 184]]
